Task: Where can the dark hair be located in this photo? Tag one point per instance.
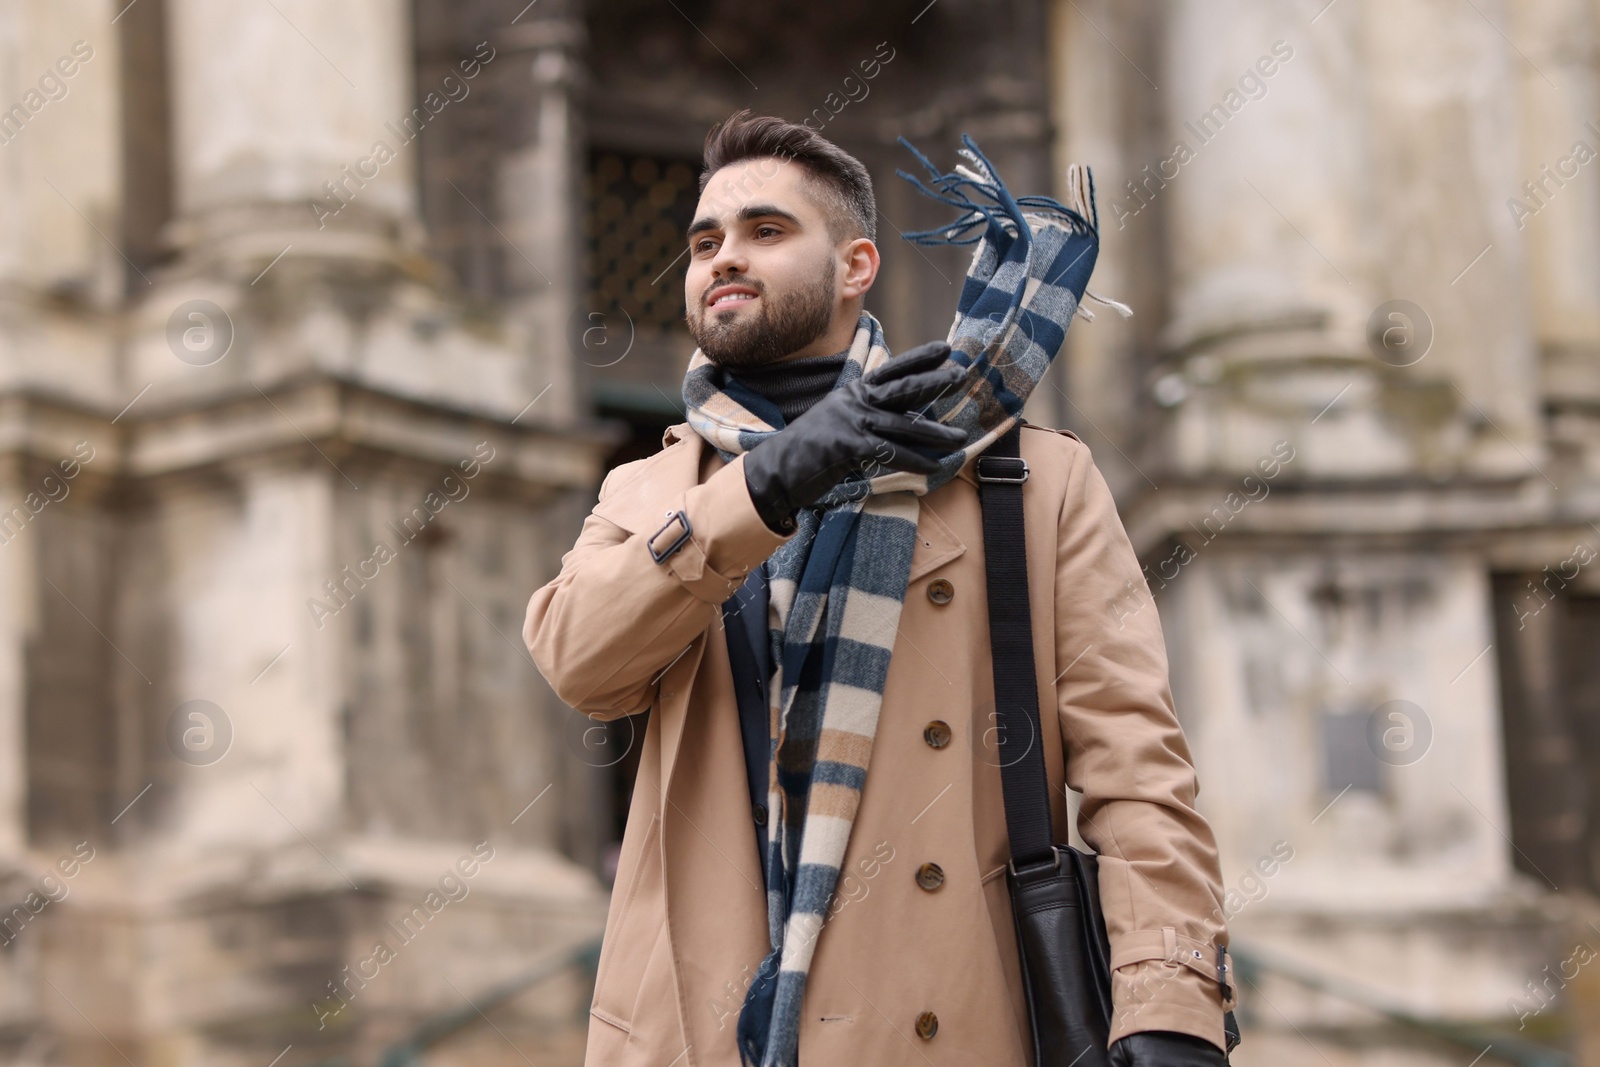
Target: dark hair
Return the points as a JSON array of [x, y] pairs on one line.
[[838, 179]]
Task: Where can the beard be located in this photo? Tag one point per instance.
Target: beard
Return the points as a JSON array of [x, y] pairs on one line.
[[784, 324]]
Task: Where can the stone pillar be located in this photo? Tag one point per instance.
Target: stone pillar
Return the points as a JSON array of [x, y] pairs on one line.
[[61, 274], [1334, 667], [1099, 103], [1261, 185], [1256, 172], [300, 247], [1555, 208], [256, 131], [266, 126], [540, 183], [1295, 216], [1446, 241], [58, 147], [59, 194], [59, 201]]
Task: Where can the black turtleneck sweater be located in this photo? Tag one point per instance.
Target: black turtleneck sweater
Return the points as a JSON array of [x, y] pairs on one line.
[[793, 385]]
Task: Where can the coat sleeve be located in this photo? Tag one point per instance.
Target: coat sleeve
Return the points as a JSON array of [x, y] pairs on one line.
[[608, 625], [1160, 876]]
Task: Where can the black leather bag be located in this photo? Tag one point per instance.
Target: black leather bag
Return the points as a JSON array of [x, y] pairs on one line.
[[1055, 894]]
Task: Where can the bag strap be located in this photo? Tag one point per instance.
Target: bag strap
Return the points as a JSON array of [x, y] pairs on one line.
[[1001, 471]]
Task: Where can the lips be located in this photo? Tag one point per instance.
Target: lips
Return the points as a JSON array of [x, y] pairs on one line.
[[730, 295]]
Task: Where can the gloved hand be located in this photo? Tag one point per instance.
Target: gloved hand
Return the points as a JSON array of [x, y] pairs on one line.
[[1165, 1048], [865, 420]]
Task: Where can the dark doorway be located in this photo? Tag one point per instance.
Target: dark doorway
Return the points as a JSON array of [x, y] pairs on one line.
[[1547, 636]]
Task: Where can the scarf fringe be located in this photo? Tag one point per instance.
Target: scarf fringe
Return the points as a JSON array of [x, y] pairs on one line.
[[1003, 211], [1120, 308]]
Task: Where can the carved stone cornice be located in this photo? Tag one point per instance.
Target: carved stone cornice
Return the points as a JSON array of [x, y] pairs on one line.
[[316, 413]]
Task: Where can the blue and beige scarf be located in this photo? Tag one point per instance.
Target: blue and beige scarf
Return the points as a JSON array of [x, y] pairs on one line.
[[837, 586]]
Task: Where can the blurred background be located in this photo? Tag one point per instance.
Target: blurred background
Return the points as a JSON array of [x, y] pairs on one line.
[[320, 324]]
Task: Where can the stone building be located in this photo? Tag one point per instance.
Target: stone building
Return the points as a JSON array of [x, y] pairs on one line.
[[320, 324]]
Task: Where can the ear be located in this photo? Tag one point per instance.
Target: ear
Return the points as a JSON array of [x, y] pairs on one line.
[[860, 258]]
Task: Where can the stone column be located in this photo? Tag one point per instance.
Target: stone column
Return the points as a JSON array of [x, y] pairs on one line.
[[1257, 170], [290, 185], [283, 205], [1555, 207], [1334, 665], [278, 105], [59, 194], [60, 274], [1100, 103], [540, 200], [540, 184], [1261, 185], [58, 146], [1297, 208], [297, 222], [59, 197], [1444, 127]]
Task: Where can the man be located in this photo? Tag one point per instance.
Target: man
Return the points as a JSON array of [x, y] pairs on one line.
[[735, 583]]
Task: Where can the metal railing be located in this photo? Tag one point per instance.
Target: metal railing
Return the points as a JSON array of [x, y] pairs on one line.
[[1251, 962], [409, 1050], [408, 1053]]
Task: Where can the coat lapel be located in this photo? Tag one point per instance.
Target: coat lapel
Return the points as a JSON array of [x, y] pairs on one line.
[[937, 543]]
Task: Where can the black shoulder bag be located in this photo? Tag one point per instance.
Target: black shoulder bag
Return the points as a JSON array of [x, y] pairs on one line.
[[1055, 894]]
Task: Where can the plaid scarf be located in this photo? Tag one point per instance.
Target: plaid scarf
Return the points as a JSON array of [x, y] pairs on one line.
[[837, 586]]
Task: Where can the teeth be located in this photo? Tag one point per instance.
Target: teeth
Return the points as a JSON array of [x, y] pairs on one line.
[[732, 296]]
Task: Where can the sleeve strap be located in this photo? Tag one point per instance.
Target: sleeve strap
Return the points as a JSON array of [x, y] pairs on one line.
[[1167, 944]]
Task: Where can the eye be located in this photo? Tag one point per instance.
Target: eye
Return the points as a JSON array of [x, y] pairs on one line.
[[767, 228], [703, 244]]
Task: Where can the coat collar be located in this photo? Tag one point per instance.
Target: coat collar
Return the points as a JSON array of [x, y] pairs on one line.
[[655, 486]]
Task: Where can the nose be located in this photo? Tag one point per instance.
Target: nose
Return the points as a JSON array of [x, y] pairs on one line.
[[730, 259]]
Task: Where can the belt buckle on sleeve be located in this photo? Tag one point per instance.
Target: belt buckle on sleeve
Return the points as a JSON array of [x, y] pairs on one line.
[[673, 516]]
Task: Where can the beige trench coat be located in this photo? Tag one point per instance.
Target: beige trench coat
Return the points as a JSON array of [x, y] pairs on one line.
[[616, 633]]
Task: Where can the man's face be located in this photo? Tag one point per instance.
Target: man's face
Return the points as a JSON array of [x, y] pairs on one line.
[[763, 272]]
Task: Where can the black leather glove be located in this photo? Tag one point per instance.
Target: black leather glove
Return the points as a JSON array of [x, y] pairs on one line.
[[864, 421], [1165, 1048]]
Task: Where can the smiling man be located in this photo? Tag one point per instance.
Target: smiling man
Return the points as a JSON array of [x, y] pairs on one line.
[[778, 251], [814, 864]]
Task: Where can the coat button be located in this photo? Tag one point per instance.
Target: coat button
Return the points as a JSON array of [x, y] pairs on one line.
[[927, 1025], [940, 591], [760, 813], [936, 733], [930, 876]]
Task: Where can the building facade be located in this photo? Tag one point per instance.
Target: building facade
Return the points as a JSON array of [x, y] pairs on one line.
[[321, 323]]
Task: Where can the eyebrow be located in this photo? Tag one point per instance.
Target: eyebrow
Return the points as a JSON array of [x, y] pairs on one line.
[[747, 213]]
